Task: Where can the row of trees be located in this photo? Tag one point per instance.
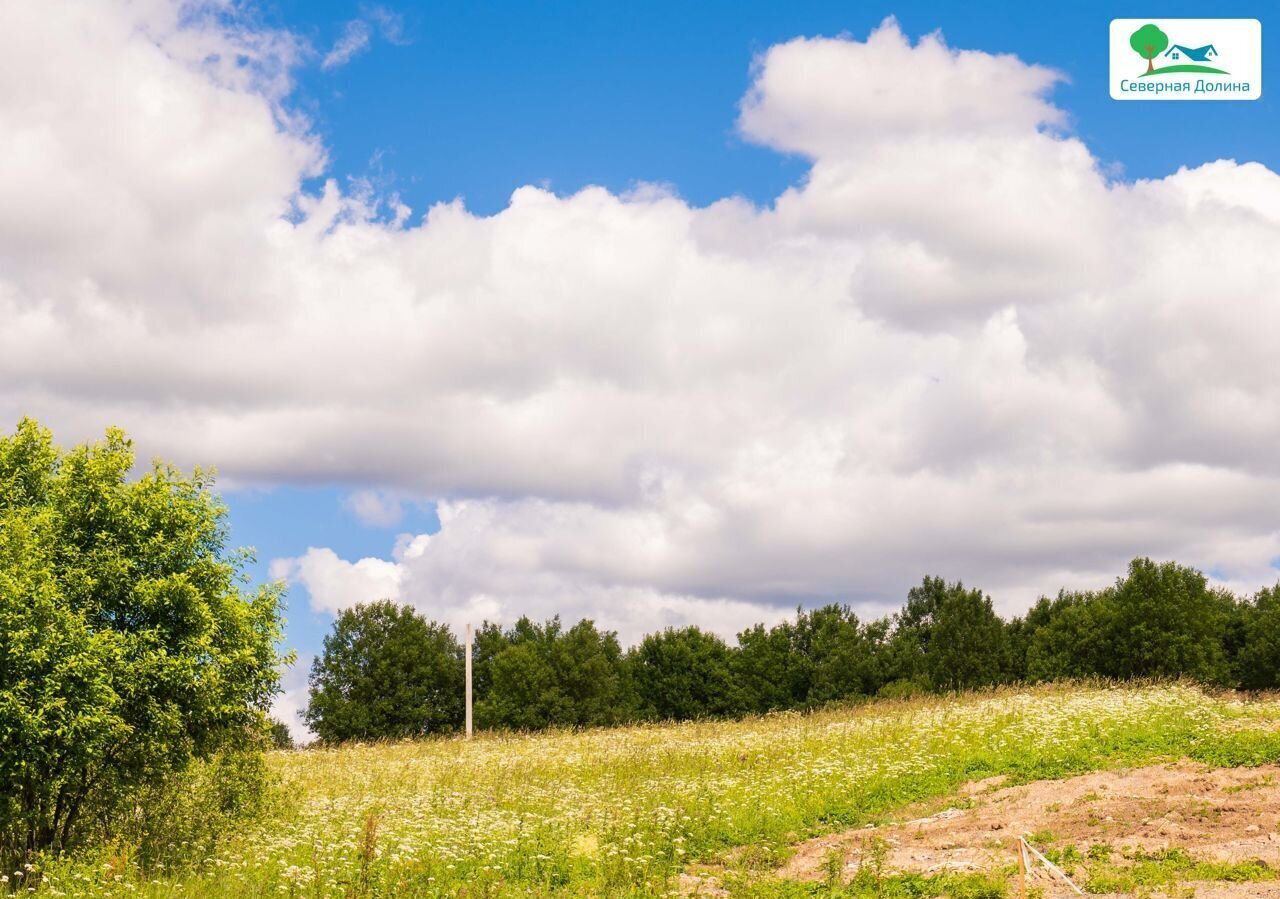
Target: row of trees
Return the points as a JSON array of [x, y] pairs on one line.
[[387, 672]]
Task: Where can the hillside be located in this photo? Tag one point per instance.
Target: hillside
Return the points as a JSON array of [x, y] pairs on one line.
[[722, 808]]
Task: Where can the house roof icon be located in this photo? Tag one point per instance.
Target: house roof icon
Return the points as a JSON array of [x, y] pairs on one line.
[[1199, 54]]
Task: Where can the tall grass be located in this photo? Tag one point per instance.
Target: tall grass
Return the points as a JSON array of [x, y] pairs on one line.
[[621, 812]]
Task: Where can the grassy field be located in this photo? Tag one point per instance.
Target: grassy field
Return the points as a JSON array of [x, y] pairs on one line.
[[623, 812]]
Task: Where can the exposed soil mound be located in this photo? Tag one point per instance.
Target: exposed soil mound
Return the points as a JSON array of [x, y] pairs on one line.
[[1226, 815]]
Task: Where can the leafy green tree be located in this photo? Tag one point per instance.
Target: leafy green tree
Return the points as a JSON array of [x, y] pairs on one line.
[[488, 642], [951, 637], [1149, 42], [1235, 636], [281, 738], [967, 647], [1168, 623], [386, 672], [824, 655], [1071, 636], [1018, 634], [593, 675], [683, 674], [549, 677], [834, 656], [1258, 662], [761, 668], [129, 647]]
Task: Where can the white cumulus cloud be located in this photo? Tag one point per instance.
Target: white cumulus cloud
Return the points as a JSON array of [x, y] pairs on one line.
[[335, 583], [957, 346]]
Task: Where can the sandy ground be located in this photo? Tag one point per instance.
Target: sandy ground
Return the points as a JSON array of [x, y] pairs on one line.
[[1227, 814]]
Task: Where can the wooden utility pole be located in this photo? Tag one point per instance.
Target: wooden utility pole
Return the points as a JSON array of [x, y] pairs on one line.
[[468, 662]]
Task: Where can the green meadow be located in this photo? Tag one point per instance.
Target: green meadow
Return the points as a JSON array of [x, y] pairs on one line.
[[624, 811]]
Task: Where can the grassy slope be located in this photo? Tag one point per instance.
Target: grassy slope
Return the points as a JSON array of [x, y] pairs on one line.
[[620, 812]]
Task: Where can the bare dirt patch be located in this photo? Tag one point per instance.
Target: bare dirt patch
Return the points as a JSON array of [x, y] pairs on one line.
[[1216, 815]]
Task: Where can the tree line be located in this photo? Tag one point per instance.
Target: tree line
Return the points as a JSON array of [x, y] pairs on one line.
[[387, 672]]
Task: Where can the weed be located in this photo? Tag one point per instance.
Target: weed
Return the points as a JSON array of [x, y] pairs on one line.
[[1148, 870], [833, 868]]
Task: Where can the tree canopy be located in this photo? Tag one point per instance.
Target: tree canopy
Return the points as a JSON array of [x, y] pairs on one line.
[[950, 637], [386, 672], [542, 675], [129, 646], [1149, 42], [1258, 664], [1161, 620], [683, 673]]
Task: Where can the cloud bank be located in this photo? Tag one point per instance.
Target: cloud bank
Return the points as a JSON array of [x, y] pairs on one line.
[[956, 347]]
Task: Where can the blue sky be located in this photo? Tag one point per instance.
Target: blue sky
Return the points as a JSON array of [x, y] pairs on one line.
[[484, 97], [660, 369], [283, 521], [473, 100]]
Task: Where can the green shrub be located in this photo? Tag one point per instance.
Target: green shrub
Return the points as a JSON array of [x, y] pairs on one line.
[[130, 654]]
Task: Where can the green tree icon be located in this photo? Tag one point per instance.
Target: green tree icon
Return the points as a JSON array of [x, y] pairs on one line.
[[1149, 42]]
